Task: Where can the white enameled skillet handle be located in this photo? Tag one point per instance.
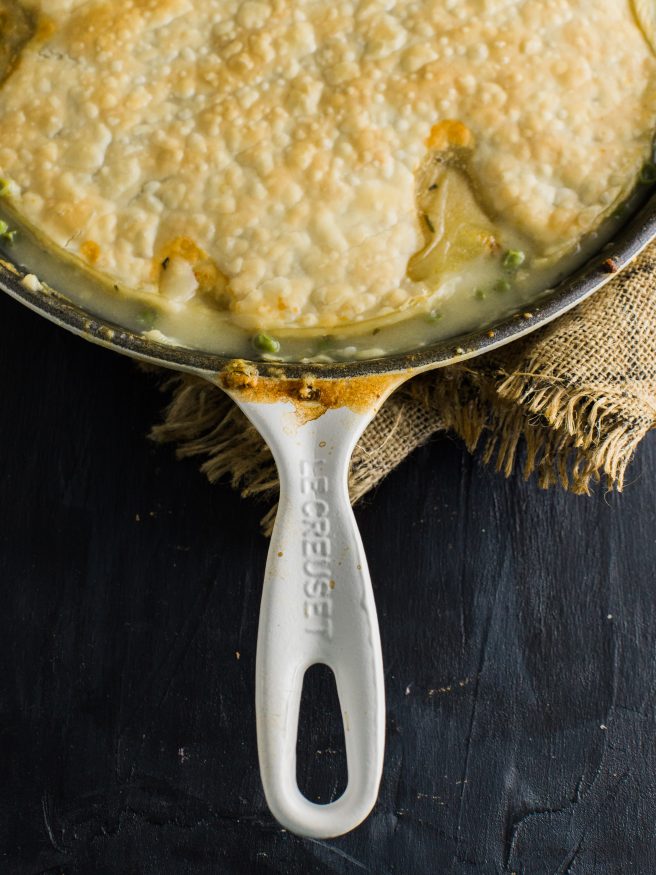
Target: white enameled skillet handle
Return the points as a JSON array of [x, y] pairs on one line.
[[317, 607]]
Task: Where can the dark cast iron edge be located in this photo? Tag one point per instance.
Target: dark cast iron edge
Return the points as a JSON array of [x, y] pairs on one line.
[[629, 242]]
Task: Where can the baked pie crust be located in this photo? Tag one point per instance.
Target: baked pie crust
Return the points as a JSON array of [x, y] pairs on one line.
[[267, 155]]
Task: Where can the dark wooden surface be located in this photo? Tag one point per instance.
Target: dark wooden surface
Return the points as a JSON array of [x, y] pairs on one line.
[[518, 629]]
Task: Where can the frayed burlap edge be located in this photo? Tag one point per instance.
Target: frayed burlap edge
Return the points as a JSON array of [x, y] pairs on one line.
[[571, 439]]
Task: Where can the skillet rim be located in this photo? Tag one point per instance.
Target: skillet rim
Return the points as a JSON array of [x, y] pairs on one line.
[[630, 241]]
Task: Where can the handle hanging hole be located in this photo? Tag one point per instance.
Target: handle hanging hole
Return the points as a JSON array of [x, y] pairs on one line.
[[321, 770]]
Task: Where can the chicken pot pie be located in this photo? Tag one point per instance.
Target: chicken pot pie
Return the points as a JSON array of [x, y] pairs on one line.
[[316, 170]]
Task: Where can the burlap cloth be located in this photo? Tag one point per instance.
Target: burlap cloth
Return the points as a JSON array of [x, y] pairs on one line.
[[579, 395]]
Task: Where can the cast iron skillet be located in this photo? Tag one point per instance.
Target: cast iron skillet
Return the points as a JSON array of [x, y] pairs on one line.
[[317, 602]]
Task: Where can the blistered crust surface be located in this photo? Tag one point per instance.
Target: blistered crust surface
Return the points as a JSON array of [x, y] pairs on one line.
[[282, 138]]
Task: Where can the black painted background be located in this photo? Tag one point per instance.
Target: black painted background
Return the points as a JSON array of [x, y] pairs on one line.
[[518, 629]]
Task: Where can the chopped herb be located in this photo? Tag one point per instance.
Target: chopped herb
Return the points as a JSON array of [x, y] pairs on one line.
[[513, 259], [433, 187], [165, 263], [431, 226], [621, 212], [376, 331], [502, 286], [5, 186], [147, 318], [4, 227], [480, 294], [266, 343], [434, 316], [648, 173]]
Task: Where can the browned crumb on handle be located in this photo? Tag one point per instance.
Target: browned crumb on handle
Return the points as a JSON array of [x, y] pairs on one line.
[[239, 375], [310, 395]]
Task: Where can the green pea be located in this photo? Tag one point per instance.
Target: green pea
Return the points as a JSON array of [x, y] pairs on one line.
[[265, 343], [513, 259], [502, 286], [147, 318], [5, 234], [648, 173]]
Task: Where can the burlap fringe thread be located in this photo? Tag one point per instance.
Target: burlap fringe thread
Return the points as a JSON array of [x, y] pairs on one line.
[[579, 395]]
